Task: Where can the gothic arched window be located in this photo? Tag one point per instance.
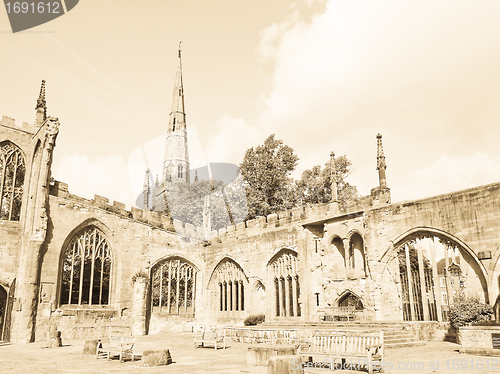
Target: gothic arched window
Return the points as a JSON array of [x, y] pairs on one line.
[[173, 286], [86, 269], [284, 272], [180, 171], [229, 280], [12, 171]]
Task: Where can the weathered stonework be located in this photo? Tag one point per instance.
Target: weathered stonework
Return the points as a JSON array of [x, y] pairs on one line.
[[478, 340], [292, 266]]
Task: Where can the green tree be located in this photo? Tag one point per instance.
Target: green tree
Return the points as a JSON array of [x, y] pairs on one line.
[[187, 201], [315, 184], [266, 170]]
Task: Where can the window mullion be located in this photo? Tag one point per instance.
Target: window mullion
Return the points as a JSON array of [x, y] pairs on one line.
[[92, 269], [13, 185]]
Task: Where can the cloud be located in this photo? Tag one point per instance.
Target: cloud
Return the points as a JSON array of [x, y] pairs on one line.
[[448, 174], [424, 74], [100, 175], [229, 144]]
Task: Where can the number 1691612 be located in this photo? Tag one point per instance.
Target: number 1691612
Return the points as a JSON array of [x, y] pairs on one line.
[[33, 7]]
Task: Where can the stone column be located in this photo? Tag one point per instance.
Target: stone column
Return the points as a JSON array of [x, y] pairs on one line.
[[34, 217], [139, 306]]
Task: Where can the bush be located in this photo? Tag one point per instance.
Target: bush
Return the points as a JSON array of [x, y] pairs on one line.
[[469, 309], [254, 319]]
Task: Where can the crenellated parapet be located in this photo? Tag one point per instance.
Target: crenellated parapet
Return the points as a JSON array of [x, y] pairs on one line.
[[152, 218], [251, 227], [11, 123]]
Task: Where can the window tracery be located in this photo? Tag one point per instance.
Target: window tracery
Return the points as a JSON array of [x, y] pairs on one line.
[[12, 173], [86, 269], [173, 286], [284, 272], [231, 281]]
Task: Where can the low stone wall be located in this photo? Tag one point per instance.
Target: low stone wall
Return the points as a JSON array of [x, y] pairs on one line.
[[479, 340], [160, 323], [431, 330], [82, 324]]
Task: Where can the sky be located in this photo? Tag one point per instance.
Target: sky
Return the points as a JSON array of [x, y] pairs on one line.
[[323, 75]]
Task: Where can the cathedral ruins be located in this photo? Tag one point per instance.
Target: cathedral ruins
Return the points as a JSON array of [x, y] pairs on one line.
[[86, 266]]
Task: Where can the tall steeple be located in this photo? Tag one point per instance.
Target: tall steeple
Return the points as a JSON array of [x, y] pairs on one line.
[[176, 162], [41, 106], [381, 166]]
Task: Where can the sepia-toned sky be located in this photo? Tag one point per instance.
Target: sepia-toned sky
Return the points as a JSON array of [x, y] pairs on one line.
[[322, 75]]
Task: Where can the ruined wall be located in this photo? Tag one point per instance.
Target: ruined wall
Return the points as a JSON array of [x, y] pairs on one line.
[[134, 247], [10, 231], [471, 216]]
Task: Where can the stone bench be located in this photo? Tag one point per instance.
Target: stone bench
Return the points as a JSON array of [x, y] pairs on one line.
[[260, 355]]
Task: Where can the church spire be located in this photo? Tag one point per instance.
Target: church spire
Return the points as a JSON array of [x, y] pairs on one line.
[[178, 97], [176, 161], [41, 106], [381, 166]]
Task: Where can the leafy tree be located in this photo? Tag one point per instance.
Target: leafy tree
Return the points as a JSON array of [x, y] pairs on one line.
[[187, 201], [315, 184], [266, 171]]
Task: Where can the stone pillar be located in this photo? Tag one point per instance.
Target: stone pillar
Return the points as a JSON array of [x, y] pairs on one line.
[[139, 298]]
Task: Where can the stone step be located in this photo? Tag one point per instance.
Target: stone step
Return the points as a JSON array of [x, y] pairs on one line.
[[404, 344]]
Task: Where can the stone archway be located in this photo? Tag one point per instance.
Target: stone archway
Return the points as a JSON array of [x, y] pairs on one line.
[[432, 268]]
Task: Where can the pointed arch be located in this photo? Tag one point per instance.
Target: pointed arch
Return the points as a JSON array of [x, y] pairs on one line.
[[229, 282], [281, 252], [12, 175], [86, 266], [356, 255], [433, 267], [283, 273], [258, 305], [349, 298], [173, 286]]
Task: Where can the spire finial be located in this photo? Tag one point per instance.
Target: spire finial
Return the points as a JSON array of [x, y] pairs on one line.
[[146, 190], [381, 165], [41, 105], [180, 41], [333, 177]]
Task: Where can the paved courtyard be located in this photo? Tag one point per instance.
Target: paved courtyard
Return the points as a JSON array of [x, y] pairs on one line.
[[434, 357]]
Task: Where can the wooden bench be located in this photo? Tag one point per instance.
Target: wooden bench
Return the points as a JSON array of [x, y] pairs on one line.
[[359, 348], [122, 346], [213, 337]]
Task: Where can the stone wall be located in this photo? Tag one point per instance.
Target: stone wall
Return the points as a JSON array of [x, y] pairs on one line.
[[478, 340]]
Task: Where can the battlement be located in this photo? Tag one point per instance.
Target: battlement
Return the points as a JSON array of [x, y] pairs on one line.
[[11, 123], [145, 216], [308, 213]]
